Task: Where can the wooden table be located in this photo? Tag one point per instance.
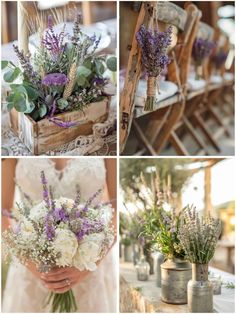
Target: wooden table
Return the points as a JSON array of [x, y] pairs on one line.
[[144, 296]]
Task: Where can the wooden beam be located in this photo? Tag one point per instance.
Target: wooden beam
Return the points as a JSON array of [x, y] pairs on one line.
[[143, 139], [178, 145]]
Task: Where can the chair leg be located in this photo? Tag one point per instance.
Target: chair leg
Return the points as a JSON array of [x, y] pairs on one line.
[[206, 131], [195, 135], [177, 144], [173, 117], [143, 138], [219, 121]]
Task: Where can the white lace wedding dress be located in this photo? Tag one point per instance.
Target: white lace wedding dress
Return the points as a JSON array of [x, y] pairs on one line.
[[97, 293]]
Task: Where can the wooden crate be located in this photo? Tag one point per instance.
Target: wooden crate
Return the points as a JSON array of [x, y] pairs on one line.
[[44, 135]]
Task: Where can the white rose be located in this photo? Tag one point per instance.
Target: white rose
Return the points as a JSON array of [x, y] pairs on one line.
[[65, 244], [64, 201], [38, 212], [27, 230], [88, 252]]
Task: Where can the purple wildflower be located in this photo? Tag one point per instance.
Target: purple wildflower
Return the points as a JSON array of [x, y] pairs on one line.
[[55, 79], [154, 45], [53, 42], [60, 214], [63, 124], [202, 49], [45, 190], [92, 198], [49, 227], [219, 58]]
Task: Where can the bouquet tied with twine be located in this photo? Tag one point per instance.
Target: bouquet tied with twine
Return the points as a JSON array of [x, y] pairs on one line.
[[154, 45]]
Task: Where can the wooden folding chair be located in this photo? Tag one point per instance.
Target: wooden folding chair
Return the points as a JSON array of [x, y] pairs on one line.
[[161, 121]]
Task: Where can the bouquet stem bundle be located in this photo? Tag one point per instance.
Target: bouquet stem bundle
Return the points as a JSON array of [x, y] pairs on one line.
[[154, 45], [62, 302]]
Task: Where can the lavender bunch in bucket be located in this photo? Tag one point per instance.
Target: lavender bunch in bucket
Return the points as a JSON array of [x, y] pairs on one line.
[[60, 232], [202, 48], [198, 236], [154, 45]]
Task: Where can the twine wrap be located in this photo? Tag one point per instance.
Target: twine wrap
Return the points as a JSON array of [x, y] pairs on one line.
[[199, 71], [151, 93]]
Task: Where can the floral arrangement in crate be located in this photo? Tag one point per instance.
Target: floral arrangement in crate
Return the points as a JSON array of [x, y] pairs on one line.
[[65, 74], [59, 232]]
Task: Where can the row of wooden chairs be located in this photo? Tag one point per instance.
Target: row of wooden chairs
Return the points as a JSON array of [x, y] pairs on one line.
[[185, 105]]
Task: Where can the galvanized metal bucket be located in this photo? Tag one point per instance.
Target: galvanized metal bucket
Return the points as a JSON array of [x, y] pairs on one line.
[[200, 290], [175, 275], [159, 260]]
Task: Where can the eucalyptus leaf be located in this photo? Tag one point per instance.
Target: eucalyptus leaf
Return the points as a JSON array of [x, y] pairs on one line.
[[32, 93], [81, 81], [62, 103], [111, 63], [20, 102], [82, 70], [10, 106], [88, 63], [4, 64], [48, 99], [100, 69], [30, 106], [42, 110], [11, 75]]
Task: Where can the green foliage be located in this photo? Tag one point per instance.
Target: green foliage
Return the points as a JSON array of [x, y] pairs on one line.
[[42, 110], [130, 170], [111, 63], [62, 103], [11, 75], [126, 241], [20, 99]]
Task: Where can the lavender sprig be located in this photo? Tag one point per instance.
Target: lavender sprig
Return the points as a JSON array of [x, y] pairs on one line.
[[27, 67], [202, 49], [45, 191]]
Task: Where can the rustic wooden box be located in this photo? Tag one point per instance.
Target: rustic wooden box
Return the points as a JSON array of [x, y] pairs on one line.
[[44, 135]]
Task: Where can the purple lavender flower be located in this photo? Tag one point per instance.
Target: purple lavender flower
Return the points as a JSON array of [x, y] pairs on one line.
[[202, 49], [53, 42], [219, 58], [55, 79], [154, 45], [60, 214], [63, 124], [49, 227], [45, 190]]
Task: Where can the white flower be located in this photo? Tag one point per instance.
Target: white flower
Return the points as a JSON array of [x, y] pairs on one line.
[[64, 201], [88, 252], [65, 244], [38, 212], [27, 231]]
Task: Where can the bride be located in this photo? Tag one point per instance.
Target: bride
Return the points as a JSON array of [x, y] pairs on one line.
[[26, 289]]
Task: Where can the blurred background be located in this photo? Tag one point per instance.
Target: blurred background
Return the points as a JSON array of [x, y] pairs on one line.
[[208, 183]]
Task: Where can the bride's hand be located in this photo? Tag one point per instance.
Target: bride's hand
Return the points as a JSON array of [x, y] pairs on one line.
[[60, 280]]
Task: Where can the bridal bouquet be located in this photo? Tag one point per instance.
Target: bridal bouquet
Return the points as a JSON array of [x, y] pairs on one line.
[[59, 233], [64, 74]]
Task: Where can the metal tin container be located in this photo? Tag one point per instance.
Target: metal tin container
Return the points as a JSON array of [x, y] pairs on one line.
[[159, 261], [200, 290], [175, 274]]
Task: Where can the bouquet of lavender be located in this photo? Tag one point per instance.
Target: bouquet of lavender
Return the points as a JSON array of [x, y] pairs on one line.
[[198, 236], [58, 233], [202, 48], [154, 45], [65, 74], [219, 58]]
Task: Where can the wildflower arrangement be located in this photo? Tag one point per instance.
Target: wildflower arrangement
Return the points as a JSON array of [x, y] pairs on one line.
[[198, 236], [65, 74], [154, 45], [160, 221], [202, 48], [59, 233]]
